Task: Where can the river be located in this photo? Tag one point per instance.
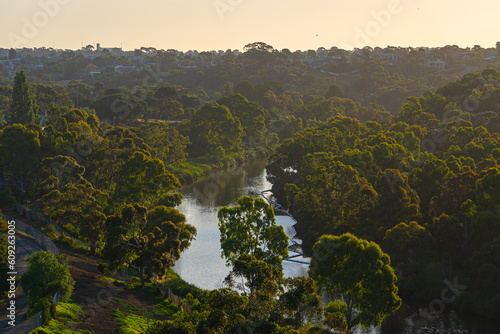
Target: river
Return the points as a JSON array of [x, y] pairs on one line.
[[203, 266]]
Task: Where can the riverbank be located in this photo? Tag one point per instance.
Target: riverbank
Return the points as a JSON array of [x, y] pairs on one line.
[[195, 168]]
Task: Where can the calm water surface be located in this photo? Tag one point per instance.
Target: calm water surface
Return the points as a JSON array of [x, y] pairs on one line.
[[202, 264]]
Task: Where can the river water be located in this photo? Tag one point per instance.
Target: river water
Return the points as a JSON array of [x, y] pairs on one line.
[[203, 266]]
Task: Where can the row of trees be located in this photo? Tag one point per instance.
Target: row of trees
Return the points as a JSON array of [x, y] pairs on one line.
[[392, 72]]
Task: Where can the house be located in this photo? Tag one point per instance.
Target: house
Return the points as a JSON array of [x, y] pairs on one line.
[[112, 49], [125, 69], [435, 63]]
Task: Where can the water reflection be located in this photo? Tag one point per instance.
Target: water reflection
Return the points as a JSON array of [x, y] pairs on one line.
[[202, 264]]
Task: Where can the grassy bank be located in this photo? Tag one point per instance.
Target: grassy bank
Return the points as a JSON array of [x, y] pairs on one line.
[[195, 168]]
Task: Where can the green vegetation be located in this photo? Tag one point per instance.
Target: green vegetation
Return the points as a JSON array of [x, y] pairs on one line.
[[66, 321], [367, 148], [150, 242], [422, 187], [250, 228], [361, 273], [46, 275]]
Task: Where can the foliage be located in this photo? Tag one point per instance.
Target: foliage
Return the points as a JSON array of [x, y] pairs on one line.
[[250, 228], [80, 205], [46, 275], [212, 126], [361, 273], [144, 180], [150, 247], [24, 108]]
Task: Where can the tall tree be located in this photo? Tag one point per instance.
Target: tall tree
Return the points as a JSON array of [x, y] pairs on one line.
[[145, 180], [80, 205], [23, 108], [250, 228], [132, 241], [361, 273], [19, 153], [212, 126], [328, 181]]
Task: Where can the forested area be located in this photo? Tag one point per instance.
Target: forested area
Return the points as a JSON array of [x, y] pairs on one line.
[[424, 187], [393, 166]]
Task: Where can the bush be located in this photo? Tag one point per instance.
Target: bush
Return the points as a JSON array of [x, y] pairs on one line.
[[44, 305], [46, 275], [171, 327]]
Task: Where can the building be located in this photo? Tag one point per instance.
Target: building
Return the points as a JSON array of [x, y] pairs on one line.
[[435, 63], [125, 69], [111, 49]]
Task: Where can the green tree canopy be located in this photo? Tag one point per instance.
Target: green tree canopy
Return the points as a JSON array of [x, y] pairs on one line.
[[361, 273], [23, 108], [132, 240], [144, 180], [80, 205], [46, 275], [212, 126], [250, 228]]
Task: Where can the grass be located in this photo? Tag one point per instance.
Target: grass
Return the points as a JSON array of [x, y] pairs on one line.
[[137, 319], [131, 323], [194, 168], [180, 287], [66, 318]]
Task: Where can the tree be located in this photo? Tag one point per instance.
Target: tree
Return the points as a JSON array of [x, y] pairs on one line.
[[19, 153], [455, 191], [427, 180], [168, 144], [12, 53], [162, 214], [144, 180], [63, 170], [251, 116], [334, 316], [212, 126], [132, 241], [407, 244], [398, 202], [118, 107], [80, 205], [326, 181], [261, 278], [450, 239], [361, 273], [46, 275], [23, 108], [167, 109], [250, 228], [300, 300]]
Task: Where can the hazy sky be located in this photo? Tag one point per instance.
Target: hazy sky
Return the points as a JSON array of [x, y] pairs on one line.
[[230, 24]]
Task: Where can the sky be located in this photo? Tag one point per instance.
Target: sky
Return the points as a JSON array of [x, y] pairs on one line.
[[206, 25]]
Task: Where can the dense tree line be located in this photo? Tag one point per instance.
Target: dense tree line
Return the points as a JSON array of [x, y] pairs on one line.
[[422, 187]]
